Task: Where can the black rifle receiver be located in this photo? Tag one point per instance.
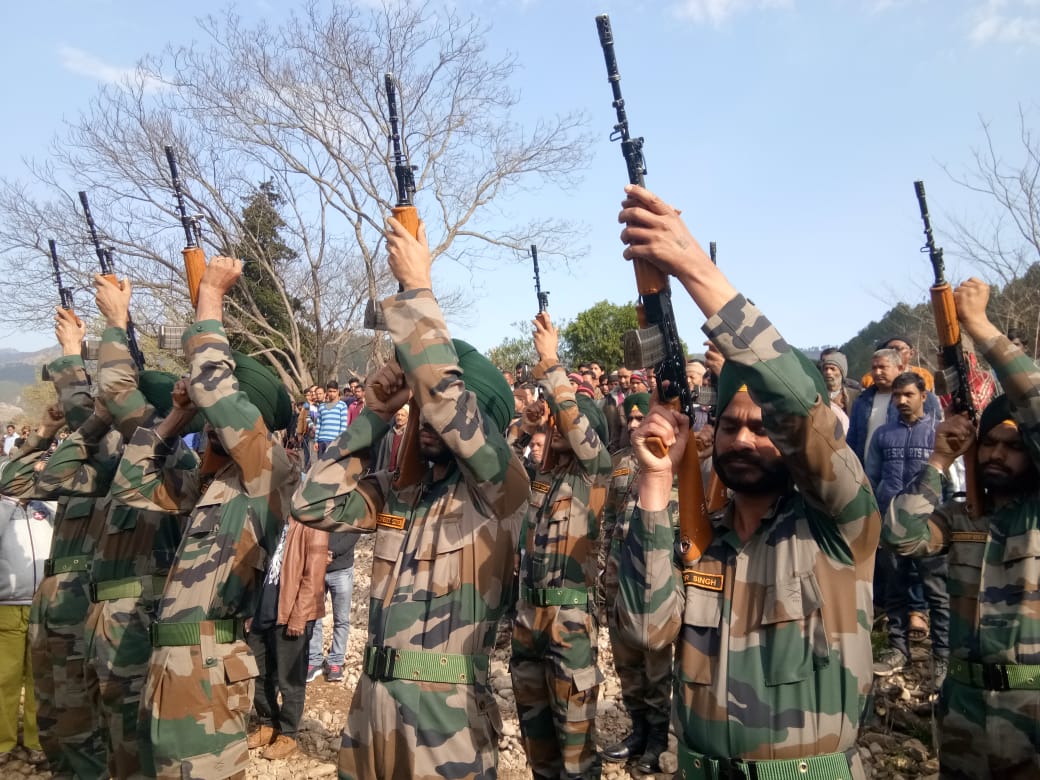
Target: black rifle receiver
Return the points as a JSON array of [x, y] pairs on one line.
[[543, 297], [104, 255]]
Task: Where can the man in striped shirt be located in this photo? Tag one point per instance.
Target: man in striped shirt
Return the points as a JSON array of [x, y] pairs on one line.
[[332, 417]]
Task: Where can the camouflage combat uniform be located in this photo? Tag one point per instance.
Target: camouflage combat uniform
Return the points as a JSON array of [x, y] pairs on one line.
[[200, 679], [645, 675], [441, 568], [69, 729], [554, 652], [990, 707], [128, 573], [774, 657]]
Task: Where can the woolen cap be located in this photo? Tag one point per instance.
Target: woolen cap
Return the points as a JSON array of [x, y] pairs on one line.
[[837, 360]]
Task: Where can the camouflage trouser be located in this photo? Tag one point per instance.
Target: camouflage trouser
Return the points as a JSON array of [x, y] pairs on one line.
[[199, 697], [119, 650], [988, 734], [401, 729], [69, 730], [556, 684], [645, 675]]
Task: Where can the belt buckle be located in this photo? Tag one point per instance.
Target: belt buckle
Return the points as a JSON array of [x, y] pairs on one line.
[[386, 660], [995, 677], [153, 631], [736, 769]]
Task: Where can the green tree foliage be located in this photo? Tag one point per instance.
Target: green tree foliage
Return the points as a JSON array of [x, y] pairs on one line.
[[911, 322], [595, 334], [267, 259], [515, 349]]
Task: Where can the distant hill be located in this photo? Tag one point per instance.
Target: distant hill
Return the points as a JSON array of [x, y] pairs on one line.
[[19, 370]]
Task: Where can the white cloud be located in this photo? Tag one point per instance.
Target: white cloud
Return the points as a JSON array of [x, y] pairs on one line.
[[715, 12], [86, 64], [1006, 21]]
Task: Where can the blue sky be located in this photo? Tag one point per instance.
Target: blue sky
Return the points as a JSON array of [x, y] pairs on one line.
[[789, 131]]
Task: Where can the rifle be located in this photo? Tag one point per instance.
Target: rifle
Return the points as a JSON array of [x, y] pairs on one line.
[[64, 293], [954, 366], [194, 256], [410, 466], [657, 342], [717, 493], [104, 255], [543, 297]]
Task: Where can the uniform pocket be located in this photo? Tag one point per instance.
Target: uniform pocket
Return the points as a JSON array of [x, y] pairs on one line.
[[122, 518], [240, 671], [702, 619], [581, 703], [384, 556], [794, 637], [1022, 560], [439, 570]]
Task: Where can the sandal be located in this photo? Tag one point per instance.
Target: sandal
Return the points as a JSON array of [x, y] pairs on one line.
[[918, 628]]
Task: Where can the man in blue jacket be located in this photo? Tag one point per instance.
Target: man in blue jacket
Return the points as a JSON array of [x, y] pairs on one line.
[[898, 451]]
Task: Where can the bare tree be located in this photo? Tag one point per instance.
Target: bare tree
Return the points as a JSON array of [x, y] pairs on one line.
[[300, 106], [1006, 247]]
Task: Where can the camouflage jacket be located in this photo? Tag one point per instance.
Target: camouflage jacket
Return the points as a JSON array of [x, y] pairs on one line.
[[136, 542], [236, 511], [774, 654], [994, 562], [560, 533], [443, 554]]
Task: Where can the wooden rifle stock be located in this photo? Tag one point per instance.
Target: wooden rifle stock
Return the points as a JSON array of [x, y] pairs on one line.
[[194, 268]]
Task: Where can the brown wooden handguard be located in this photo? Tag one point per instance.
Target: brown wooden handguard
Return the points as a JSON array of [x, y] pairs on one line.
[[650, 280], [194, 268], [718, 495], [945, 311], [410, 466], [407, 216], [972, 487], [548, 453], [694, 526]]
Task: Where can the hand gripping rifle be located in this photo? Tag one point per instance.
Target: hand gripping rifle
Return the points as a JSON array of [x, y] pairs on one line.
[[194, 256], [954, 366], [104, 255], [64, 293], [656, 342], [410, 466]]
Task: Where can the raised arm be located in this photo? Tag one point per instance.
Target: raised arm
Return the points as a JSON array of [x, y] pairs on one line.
[[68, 372], [18, 472], [85, 463]]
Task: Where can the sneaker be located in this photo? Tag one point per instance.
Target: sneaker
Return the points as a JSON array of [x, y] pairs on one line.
[[281, 748], [334, 673], [313, 672], [889, 662], [940, 666]]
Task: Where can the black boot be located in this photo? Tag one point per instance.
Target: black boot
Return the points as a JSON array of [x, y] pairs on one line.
[[631, 746], [656, 744]]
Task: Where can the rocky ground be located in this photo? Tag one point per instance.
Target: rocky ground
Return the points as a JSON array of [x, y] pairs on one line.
[[895, 744]]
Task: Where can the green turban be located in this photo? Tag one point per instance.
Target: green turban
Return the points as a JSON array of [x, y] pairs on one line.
[[157, 388], [638, 400], [595, 417], [265, 391], [998, 411], [732, 381], [479, 375]]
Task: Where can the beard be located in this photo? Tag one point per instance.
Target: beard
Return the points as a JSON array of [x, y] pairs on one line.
[[434, 450], [997, 479], [748, 472]]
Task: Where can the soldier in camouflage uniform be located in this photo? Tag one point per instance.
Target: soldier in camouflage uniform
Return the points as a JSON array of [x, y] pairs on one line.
[[444, 547], [553, 665], [645, 675], [990, 703], [773, 620], [133, 555], [69, 729], [200, 680]]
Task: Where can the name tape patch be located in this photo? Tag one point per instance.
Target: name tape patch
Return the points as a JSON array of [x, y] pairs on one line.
[[622, 472], [703, 580], [969, 536], [540, 487], [390, 521]]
